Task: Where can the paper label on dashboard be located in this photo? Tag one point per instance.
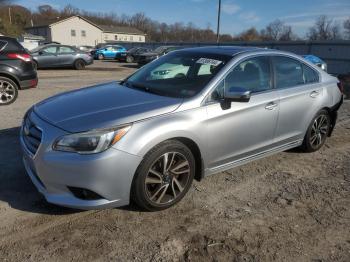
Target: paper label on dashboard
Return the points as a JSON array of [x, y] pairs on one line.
[[208, 61]]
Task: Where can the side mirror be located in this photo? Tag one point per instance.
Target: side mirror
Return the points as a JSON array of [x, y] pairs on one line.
[[105, 49], [237, 94], [41, 53]]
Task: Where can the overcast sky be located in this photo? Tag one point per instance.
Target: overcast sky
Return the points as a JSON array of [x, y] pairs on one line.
[[237, 15]]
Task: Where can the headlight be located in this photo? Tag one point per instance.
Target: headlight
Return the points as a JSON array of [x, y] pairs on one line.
[[90, 142]]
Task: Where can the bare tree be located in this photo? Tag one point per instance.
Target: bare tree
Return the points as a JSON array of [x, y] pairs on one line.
[[347, 28], [249, 35], [324, 29], [277, 31]]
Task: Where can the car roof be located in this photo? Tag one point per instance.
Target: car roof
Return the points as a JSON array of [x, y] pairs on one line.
[[225, 50]]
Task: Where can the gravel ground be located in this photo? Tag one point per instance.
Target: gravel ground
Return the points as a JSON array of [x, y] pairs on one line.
[[289, 207]]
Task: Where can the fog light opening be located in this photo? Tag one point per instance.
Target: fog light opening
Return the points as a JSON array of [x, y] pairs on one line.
[[84, 194]]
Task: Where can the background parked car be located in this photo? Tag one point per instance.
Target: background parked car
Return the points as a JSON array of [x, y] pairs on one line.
[[60, 56], [147, 57], [110, 52], [16, 70], [131, 53], [317, 61]]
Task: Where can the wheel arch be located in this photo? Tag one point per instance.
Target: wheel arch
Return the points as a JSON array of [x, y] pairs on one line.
[[196, 153], [12, 77], [333, 114]]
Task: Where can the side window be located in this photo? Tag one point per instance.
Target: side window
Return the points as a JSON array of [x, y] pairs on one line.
[[50, 50], [65, 50], [253, 74], [310, 75], [288, 71]]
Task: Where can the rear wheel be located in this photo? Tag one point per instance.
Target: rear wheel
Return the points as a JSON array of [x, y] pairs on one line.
[[317, 132], [79, 64], [164, 176], [8, 91], [129, 59]]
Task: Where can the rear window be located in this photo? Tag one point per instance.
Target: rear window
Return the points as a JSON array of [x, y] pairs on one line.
[[2, 44], [11, 45], [310, 75], [288, 72]]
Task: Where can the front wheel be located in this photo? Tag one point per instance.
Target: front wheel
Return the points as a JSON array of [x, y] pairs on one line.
[[100, 57], [317, 132], [8, 91], [164, 176]]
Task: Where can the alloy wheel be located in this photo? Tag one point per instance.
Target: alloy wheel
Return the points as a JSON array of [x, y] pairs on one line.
[[319, 131], [167, 178], [7, 92]]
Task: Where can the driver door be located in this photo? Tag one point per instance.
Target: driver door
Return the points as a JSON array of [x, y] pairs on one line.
[[48, 57], [242, 129]]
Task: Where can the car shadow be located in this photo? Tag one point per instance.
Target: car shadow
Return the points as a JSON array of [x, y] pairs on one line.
[[16, 188]]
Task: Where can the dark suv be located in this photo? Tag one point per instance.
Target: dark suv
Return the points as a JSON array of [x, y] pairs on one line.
[[16, 70]]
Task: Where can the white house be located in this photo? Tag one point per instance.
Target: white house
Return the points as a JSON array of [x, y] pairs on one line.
[[77, 30]]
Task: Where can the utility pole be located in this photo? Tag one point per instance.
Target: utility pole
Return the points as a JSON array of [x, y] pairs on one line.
[[218, 25], [10, 15]]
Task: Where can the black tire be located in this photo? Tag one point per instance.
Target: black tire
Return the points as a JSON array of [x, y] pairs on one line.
[[129, 59], [100, 57], [317, 132], [174, 185], [79, 64], [7, 88]]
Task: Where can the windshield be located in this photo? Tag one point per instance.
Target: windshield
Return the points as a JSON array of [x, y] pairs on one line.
[[181, 74], [160, 49]]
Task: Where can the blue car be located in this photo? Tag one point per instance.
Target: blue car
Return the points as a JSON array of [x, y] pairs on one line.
[[110, 52], [317, 61]]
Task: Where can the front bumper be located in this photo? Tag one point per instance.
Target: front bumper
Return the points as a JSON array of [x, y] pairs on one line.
[[108, 174]]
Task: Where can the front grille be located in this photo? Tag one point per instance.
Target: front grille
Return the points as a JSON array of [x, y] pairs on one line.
[[31, 135]]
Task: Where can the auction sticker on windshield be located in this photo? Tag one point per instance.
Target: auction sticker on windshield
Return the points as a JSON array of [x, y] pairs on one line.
[[208, 61]]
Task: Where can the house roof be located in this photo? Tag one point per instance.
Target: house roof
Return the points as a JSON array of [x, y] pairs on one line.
[[104, 28], [31, 36], [120, 29]]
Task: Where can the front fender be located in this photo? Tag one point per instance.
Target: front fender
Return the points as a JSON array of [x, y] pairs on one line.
[[146, 134]]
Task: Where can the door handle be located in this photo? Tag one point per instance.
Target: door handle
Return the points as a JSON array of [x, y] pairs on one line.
[[270, 106], [314, 93]]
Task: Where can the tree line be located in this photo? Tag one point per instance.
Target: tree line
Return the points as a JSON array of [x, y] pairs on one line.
[[15, 18]]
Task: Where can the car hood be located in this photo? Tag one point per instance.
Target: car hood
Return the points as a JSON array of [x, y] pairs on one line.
[[102, 106]]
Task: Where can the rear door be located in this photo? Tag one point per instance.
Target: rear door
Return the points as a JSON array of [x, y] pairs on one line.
[[300, 95], [66, 55], [245, 128]]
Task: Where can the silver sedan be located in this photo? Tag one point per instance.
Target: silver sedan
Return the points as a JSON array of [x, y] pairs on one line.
[[54, 55], [187, 115]]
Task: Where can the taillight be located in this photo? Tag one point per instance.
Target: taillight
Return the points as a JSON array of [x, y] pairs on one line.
[[341, 87], [23, 57]]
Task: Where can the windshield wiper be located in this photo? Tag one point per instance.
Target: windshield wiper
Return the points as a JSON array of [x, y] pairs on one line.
[[141, 87]]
